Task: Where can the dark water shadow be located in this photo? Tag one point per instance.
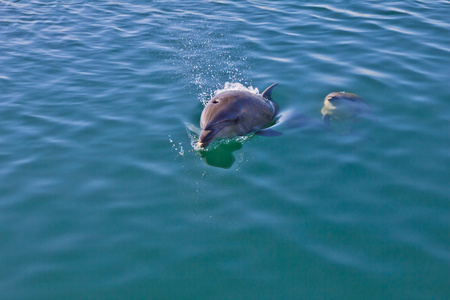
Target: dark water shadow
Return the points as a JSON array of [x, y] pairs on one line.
[[221, 156]]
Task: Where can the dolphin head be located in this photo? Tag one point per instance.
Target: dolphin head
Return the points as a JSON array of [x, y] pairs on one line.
[[340, 105], [337, 97], [220, 118]]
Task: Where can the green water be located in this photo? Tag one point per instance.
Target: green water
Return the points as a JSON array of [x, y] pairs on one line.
[[103, 196]]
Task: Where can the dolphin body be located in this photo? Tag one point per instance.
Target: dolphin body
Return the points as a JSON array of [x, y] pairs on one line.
[[340, 106], [237, 113]]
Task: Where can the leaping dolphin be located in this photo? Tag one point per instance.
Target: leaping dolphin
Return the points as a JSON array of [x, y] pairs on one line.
[[237, 113]]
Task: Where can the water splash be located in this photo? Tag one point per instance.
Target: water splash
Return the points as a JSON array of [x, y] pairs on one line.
[[177, 147], [236, 86], [204, 58]]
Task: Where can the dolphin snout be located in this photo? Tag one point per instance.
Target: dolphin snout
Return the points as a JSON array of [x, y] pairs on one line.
[[206, 137]]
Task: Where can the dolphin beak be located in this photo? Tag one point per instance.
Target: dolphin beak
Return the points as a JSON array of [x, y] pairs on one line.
[[206, 137]]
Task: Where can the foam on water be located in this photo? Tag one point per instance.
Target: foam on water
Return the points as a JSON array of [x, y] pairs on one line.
[[236, 86]]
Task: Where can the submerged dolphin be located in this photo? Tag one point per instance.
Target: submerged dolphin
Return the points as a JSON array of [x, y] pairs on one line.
[[340, 106], [237, 113]]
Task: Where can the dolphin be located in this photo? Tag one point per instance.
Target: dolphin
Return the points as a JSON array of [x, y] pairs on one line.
[[236, 113], [341, 106]]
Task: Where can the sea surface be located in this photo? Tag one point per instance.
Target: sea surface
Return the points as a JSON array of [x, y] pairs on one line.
[[105, 195]]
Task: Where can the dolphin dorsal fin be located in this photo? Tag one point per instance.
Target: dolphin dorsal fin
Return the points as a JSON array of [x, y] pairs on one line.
[[267, 93]]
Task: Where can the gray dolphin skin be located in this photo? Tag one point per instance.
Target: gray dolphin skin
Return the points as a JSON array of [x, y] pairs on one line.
[[236, 113], [342, 106]]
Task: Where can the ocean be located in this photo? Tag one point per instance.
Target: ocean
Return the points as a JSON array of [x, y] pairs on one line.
[[104, 194]]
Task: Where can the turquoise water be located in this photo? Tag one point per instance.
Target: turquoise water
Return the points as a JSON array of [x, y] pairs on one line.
[[103, 196]]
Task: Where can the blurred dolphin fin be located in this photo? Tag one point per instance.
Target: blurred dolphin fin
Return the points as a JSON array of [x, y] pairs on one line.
[[192, 128], [268, 132]]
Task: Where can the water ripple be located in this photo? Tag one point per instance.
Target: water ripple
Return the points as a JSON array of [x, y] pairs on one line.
[[103, 195]]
